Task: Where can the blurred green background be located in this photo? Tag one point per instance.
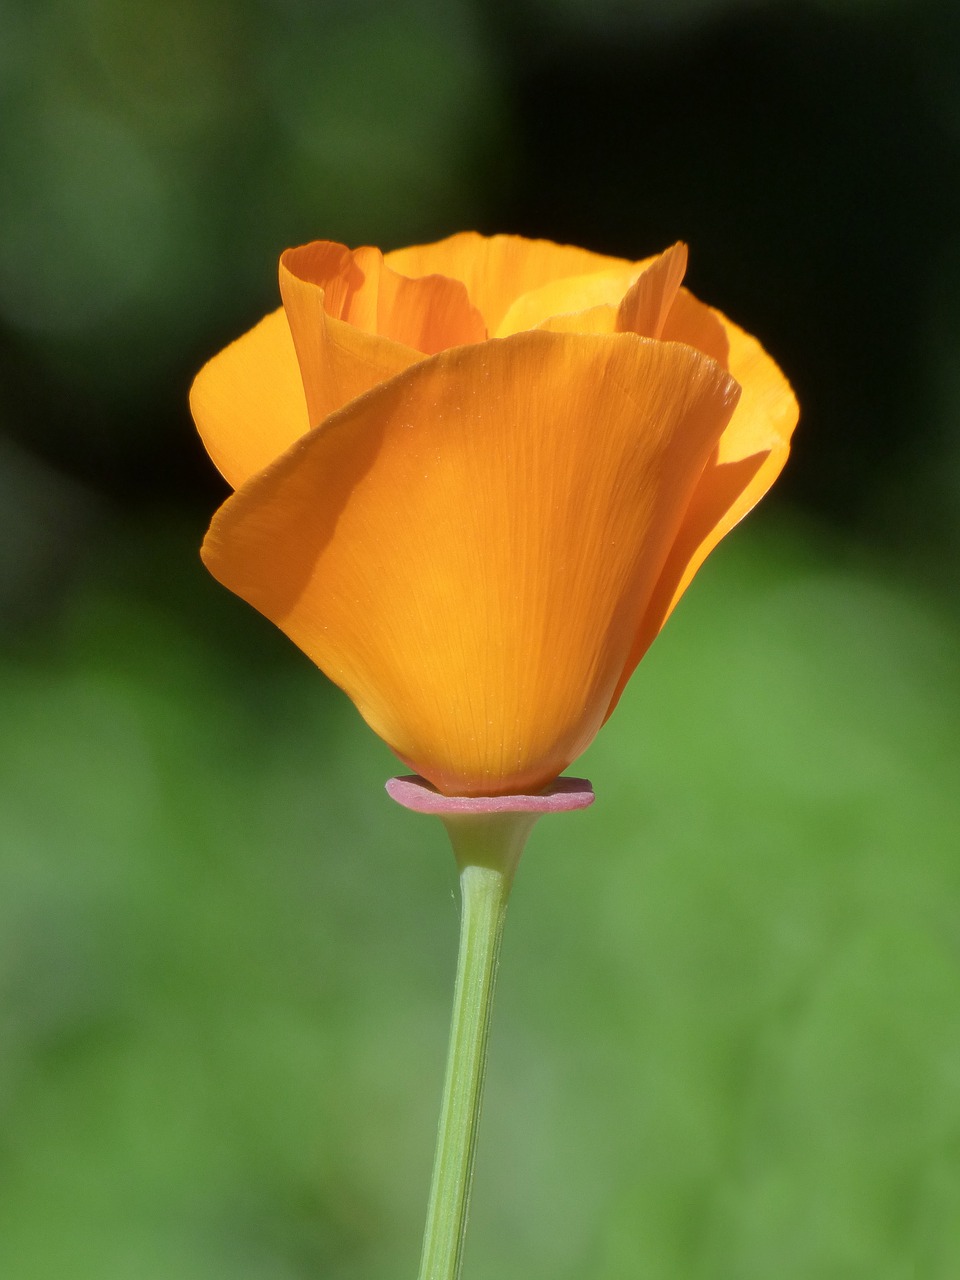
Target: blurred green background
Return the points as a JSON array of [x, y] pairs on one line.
[[728, 1034]]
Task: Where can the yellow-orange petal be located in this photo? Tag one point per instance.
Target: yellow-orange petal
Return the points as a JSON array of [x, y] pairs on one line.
[[337, 360], [691, 321], [248, 401], [499, 269], [571, 295], [468, 549], [749, 456], [646, 304], [600, 319], [429, 313]]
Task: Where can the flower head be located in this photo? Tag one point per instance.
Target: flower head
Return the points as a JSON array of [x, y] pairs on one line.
[[473, 478]]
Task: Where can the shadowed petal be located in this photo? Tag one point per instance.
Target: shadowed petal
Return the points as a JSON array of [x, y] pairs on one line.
[[248, 401], [498, 269], [468, 550]]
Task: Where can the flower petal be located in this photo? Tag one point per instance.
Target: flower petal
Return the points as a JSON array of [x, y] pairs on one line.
[[749, 456], [648, 301], [573, 294], [693, 322], [337, 360], [498, 269], [248, 401], [428, 314], [468, 549], [600, 319]]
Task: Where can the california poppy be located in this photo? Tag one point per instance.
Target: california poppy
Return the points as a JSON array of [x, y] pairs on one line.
[[473, 478]]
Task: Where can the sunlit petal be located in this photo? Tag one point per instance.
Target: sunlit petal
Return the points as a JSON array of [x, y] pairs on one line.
[[572, 295], [601, 319], [690, 320], [499, 269], [469, 549], [248, 402], [647, 303]]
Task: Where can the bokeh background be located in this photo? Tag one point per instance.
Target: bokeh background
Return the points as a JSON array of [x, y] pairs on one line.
[[728, 1034]]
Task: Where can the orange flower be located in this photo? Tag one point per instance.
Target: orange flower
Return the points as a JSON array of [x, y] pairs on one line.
[[473, 478]]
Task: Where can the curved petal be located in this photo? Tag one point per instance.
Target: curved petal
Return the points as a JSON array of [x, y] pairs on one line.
[[498, 269], [647, 303], [600, 319], [248, 401], [468, 549], [337, 360], [428, 314], [657, 307], [571, 295], [749, 456], [691, 321]]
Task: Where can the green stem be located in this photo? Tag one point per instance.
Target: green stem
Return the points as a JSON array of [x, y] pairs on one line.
[[487, 848]]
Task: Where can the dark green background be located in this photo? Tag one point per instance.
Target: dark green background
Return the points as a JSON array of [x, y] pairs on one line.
[[728, 1035]]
